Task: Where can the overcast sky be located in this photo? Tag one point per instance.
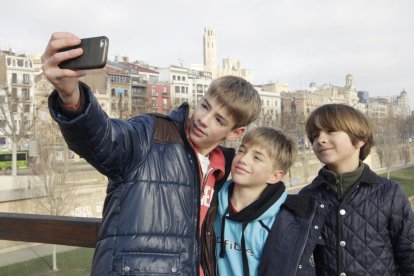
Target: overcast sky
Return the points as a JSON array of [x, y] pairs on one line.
[[293, 41]]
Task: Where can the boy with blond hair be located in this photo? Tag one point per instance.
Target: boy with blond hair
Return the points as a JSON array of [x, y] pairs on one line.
[[254, 226], [369, 226], [162, 170]]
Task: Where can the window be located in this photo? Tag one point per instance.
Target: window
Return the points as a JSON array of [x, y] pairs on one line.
[[27, 108], [173, 77], [26, 78], [26, 93], [164, 91], [14, 77], [177, 89], [183, 78], [179, 78], [120, 79], [182, 89], [199, 88], [2, 140], [14, 93]]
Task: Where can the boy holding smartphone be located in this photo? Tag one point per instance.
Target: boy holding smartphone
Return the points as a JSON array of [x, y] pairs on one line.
[[162, 170]]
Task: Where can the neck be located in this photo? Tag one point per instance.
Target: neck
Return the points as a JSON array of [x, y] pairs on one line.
[[205, 151], [244, 196], [346, 167]]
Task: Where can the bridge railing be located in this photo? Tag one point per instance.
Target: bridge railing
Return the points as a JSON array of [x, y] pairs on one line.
[[73, 231]]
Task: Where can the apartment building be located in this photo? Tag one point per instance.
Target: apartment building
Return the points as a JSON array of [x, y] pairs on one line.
[[16, 100]]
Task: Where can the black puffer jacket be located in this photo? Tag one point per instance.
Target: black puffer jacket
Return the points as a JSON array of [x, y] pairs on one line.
[[369, 232], [150, 222]]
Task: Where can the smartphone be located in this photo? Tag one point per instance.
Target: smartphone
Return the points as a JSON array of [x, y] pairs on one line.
[[95, 53]]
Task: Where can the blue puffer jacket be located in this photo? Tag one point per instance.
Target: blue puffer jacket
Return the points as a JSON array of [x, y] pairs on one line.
[[369, 232], [150, 223]]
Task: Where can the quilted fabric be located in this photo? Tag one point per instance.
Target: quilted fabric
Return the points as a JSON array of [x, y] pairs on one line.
[[369, 232], [151, 212]]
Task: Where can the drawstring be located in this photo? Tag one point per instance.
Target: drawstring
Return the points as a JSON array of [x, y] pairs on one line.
[[244, 254], [243, 244], [222, 244]]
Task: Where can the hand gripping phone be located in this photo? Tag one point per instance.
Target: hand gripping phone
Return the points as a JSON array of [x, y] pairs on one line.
[[95, 53]]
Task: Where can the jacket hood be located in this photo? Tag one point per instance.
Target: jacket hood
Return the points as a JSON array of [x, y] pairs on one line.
[[260, 209]]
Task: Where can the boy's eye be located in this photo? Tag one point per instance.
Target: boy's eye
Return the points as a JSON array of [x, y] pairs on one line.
[[220, 121], [258, 158], [203, 105]]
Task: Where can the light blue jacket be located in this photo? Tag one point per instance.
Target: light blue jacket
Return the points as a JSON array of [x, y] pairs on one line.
[[255, 234]]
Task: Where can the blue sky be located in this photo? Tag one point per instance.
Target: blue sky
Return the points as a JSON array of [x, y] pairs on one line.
[[292, 41]]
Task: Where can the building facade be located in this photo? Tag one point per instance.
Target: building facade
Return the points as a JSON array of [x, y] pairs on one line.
[[16, 100]]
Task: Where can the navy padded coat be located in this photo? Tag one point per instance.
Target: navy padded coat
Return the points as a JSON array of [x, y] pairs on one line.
[[150, 222], [369, 232]]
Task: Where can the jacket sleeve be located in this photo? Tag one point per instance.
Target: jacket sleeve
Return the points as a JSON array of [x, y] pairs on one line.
[[402, 232], [110, 145]]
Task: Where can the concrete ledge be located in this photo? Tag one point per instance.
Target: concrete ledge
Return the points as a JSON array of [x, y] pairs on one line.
[[21, 187]]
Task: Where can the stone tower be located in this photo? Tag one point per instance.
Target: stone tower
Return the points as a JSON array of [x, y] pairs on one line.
[[210, 49], [348, 81]]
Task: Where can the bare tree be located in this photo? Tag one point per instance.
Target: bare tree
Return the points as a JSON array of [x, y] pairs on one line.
[[15, 118], [387, 138], [52, 166]]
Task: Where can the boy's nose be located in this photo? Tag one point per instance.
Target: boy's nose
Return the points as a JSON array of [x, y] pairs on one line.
[[204, 119], [242, 160], [322, 138]]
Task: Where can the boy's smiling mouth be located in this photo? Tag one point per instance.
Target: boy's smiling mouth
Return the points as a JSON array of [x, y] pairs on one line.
[[197, 130]]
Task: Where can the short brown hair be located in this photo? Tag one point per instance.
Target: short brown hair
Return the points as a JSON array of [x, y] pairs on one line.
[[282, 150], [238, 96], [342, 117]]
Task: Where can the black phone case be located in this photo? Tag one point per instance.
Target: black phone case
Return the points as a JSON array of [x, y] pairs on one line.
[[95, 53]]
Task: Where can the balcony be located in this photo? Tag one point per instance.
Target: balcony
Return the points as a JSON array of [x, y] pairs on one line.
[[25, 83]]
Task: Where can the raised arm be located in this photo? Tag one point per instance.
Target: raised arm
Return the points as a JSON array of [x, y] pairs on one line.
[[65, 81]]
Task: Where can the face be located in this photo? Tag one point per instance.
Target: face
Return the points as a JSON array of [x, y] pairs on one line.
[[253, 167], [335, 149], [210, 124]]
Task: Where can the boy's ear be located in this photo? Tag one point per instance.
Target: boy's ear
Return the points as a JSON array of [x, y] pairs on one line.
[[236, 133], [276, 176], [359, 144]]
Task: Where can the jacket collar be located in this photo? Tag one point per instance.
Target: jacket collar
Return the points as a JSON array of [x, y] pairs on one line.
[[367, 177], [181, 113]]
